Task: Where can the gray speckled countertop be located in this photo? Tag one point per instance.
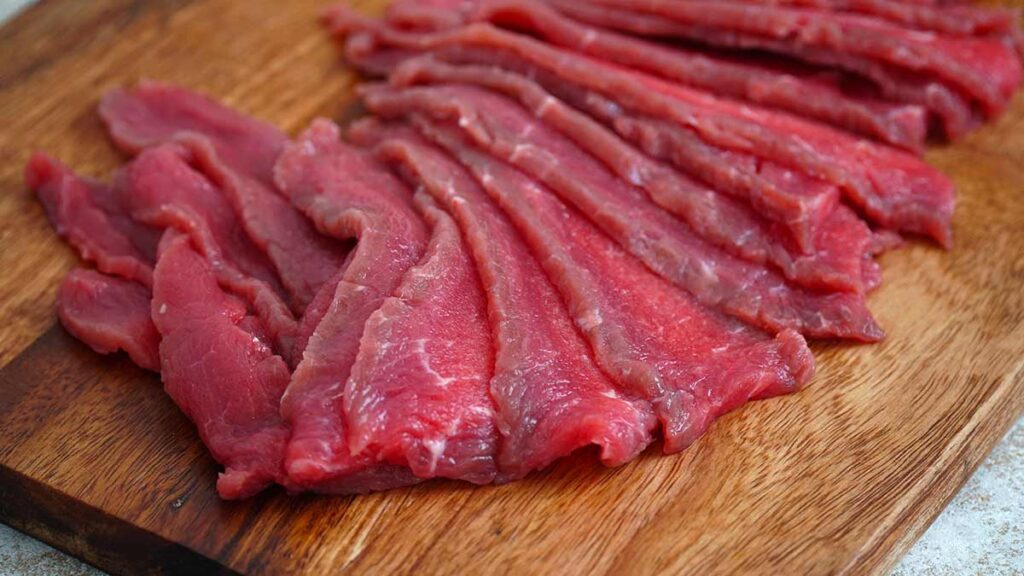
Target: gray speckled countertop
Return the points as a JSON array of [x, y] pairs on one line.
[[980, 532]]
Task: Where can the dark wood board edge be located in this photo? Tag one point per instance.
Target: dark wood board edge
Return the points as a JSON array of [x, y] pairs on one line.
[[107, 542], [986, 428], [65, 522]]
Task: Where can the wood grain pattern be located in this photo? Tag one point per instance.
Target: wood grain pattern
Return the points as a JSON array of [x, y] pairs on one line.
[[841, 478]]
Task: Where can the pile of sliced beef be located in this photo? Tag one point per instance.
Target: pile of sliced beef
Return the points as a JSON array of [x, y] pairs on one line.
[[563, 224]]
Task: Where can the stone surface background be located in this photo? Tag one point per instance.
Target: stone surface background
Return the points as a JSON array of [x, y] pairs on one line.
[[980, 532]]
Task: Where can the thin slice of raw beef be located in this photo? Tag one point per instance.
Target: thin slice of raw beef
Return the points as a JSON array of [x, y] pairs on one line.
[[898, 124], [455, 6], [90, 216], [811, 93], [418, 394], [109, 314], [162, 189], [958, 20], [237, 153], [110, 311], [316, 311], [223, 376], [838, 254], [954, 111], [988, 70], [348, 196], [834, 260], [412, 17], [801, 206], [162, 183], [691, 363], [154, 112], [896, 189], [363, 53], [840, 237], [550, 398], [803, 203], [751, 292]]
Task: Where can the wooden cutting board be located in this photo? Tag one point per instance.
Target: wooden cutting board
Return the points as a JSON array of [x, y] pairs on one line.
[[843, 477]]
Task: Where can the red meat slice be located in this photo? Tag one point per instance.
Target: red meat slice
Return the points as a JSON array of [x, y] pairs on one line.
[[550, 398], [362, 52], [102, 310], [154, 112], [838, 256], [809, 93], [689, 362], [948, 17], [109, 314], [959, 20], [953, 110], [160, 188], [203, 333], [455, 6], [986, 69], [316, 311], [834, 260], [802, 206], [841, 237], [896, 189], [90, 216], [418, 391], [753, 293], [801, 202], [419, 15], [898, 124], [237, 153], [348, 196], [163, 190]]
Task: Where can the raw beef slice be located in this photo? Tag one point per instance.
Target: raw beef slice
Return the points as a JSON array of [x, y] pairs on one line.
[[987, 70], [418, 391], [656, 342], [90, 216], [550, 398], [894, 188], [834, 261], [953, 109], [109, 314], [752, 293], [162, 189], [237, 154], [223, 376], [106, 311], [898, 124], [350, 197]]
